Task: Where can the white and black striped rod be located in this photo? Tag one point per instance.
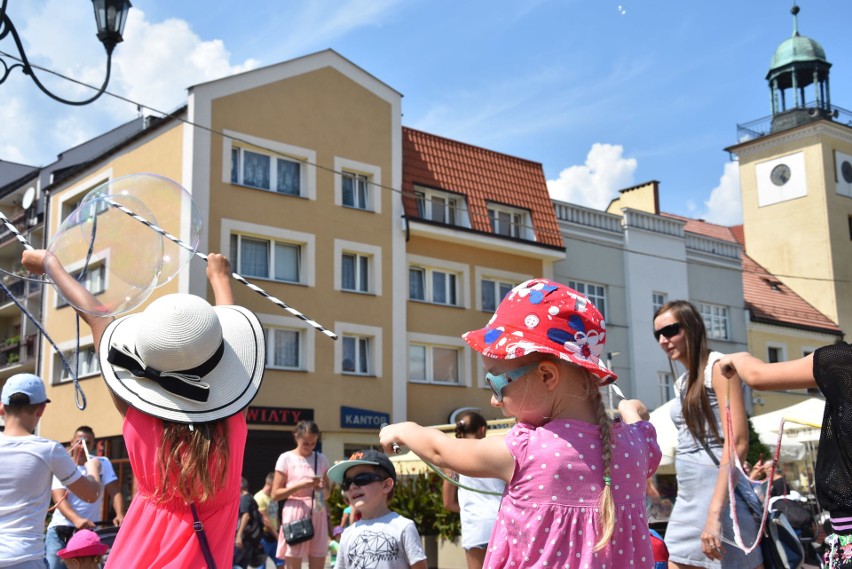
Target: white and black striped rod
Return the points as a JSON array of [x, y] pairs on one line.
[[319, 327], [15, 231]]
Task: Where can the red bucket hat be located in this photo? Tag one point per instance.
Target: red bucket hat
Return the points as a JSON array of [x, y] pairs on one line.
[[547, 317], [83, 543]]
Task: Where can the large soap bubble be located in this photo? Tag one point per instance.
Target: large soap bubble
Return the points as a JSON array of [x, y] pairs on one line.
[[169, 203], [116, 258]]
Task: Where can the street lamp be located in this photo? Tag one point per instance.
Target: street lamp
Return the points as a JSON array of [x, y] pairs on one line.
[[110, 16]]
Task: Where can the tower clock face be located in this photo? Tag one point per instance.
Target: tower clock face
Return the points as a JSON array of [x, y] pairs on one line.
[[846, 171], [780, 175]]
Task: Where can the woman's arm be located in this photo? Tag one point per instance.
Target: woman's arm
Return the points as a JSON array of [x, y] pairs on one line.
[[481, 458], [795, 374], [725, 387], [219, 275], [280, 490]]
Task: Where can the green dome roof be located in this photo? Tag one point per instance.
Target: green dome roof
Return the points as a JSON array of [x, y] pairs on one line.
[[796, 49]]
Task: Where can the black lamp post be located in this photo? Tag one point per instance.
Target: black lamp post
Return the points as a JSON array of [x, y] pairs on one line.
[[110, 16]]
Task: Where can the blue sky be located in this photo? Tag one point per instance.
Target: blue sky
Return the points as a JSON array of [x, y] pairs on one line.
[[604, 94]]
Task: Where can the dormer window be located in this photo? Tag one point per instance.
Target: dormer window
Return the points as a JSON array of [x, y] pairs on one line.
[[441, 207], [510, 221]]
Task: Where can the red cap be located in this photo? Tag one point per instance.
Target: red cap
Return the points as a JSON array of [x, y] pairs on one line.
[[547, 317]]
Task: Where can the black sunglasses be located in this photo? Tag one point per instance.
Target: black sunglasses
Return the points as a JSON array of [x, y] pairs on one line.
[[668, 331], [362, 479]]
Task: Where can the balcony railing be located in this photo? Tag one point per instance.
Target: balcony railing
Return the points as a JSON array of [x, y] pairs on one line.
[[763, 126], [15, 351]]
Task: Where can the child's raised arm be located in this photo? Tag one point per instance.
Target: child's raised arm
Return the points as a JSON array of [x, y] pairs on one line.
[[219, 275], [40, 262], [480, 458]]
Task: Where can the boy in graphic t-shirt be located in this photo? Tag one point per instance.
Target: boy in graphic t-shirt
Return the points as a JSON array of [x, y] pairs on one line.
[[381, 539]]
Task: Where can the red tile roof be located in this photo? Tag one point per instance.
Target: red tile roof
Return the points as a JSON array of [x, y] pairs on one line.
[[770, 301], [705, 228], [482, 176]]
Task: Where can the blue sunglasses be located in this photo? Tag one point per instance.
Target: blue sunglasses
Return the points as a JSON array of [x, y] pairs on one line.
[[498, 383]]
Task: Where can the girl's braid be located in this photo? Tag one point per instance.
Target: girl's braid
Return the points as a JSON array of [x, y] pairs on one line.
[[607, 505]]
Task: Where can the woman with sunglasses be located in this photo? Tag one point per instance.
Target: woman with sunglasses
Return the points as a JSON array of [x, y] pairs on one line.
[[477, 500], [700, 516]]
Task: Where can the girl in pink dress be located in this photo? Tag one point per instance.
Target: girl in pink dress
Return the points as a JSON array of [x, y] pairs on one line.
[[180, 373], [301, 481], [575, 494]]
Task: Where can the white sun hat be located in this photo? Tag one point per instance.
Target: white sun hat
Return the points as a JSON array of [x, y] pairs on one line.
[[183, 360]]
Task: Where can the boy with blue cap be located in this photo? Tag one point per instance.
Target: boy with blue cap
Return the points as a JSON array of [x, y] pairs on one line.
[[29, 464]]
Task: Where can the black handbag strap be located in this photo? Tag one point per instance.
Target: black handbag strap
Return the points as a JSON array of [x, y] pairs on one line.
[[316, 457], [198, 527]]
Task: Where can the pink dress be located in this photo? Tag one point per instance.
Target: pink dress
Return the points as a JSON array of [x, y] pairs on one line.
[[160, 535], [298, 506], [549, 514]]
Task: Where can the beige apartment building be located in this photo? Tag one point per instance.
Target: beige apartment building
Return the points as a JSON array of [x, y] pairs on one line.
[[396, 240]]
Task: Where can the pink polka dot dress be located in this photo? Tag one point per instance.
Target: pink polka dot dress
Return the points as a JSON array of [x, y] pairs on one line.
[[549, 514]]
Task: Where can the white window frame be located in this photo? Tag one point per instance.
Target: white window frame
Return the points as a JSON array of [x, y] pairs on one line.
[[583, 288], [69, 348], [374, 255], [520, 229], [95, 267], [307, 340], [486, 273], [306, 241], [430, 264], [373, 174], [278, 150], [715, 316], [782, 350], [431, 341], [372, 333], [459, 209], [666, 385], [658, 300]]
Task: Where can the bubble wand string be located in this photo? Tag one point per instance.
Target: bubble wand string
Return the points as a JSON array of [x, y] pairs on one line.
[[79, 396], [319, 327]]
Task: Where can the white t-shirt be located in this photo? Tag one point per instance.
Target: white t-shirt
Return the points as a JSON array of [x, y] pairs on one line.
[[388, 542], [84, 509], [28, 464], [478, 511]]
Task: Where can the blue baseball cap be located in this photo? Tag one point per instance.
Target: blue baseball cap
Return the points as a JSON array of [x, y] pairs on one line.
[[26, 384]]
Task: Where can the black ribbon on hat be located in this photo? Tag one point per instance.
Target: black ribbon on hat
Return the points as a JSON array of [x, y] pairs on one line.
[[184, 383]]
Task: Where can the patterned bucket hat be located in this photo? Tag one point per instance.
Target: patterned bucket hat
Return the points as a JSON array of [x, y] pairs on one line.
[[547, 317]]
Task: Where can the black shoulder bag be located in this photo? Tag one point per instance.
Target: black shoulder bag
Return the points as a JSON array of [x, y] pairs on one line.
[[301, 530], [198, 527]]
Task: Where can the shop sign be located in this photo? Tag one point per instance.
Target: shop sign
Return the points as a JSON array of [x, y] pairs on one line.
[[286, 416], [354, 418]]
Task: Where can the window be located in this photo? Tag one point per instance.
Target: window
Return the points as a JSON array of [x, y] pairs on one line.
[[493, 291], [94, 280], [439, 207], [658, 299], [715, 320], [284, 348], [355, 272], [594, 292], [775, 354], [72, 205], [432, 285], [355, 190], [88, 364], [509, 221], [433, 364], [356, 355], [667, 391], [274, 173], [266, 258]]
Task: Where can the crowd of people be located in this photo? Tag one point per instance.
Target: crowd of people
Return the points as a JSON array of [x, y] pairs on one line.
[[566, 486]]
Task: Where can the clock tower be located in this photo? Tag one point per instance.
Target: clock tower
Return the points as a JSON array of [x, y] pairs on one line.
[[796, 181]]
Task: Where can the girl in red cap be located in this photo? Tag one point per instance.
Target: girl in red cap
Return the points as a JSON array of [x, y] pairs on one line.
[[575, 494]]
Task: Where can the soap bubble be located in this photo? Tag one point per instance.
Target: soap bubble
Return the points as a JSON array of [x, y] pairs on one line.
[[117, 259], [172, 207]]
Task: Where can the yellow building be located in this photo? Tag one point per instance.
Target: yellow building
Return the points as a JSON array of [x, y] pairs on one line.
[[298, 170]]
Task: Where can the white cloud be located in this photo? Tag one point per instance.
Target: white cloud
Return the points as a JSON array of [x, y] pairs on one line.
[[154, 66], [725, 204], [595, 183]]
